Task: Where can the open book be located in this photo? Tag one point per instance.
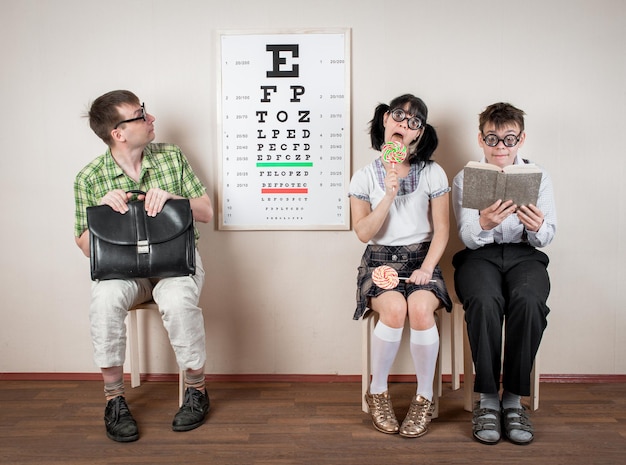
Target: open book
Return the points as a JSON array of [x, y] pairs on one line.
[[484, 183]]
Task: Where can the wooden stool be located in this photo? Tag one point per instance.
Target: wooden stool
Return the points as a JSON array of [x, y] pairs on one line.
[[133, 342]]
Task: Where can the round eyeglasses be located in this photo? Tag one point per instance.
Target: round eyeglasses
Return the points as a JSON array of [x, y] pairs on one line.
[[143, 117], [399, 115], [509, 140]]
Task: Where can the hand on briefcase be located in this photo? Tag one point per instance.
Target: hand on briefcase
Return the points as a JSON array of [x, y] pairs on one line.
[[135, 245]]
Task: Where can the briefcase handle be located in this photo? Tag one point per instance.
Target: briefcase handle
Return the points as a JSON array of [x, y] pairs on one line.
[[136, 191]]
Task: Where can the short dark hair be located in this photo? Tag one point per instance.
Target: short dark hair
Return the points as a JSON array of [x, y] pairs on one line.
[[501, 114], [104, 114], [426, 143]]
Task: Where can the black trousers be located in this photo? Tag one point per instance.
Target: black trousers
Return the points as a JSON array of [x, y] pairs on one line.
[[503, 284]]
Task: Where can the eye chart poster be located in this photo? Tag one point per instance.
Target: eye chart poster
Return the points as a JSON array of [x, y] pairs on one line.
[[285, 130]]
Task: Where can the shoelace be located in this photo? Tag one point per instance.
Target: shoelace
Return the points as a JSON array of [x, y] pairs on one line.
[[120, 409], [419, 413], [192, 400], [382, 406]]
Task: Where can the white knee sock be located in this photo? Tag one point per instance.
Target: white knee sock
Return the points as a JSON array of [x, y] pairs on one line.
[[385, 345], [424, 349]]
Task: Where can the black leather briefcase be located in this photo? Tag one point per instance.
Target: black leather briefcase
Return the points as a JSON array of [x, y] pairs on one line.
[[135, 245]]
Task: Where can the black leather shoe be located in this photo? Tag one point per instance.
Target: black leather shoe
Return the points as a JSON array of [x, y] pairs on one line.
[[119, 422], [193, 412]]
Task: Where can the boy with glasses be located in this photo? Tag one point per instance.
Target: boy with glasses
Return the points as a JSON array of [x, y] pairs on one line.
[[133, 162], [501, 276]]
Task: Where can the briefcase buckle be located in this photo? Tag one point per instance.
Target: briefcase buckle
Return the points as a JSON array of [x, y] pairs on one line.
[[143, 247]]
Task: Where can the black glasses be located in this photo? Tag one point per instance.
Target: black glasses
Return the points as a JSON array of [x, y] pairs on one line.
[[143, 117], [400, 115], [509, 140]]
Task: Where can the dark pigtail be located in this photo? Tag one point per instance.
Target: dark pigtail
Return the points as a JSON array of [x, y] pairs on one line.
[[377, 129], [427, 144]]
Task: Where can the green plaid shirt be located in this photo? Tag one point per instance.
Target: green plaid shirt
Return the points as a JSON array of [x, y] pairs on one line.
[[163, 166]]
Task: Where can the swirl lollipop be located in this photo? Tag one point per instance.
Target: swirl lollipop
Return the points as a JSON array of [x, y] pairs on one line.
[[385, 277], [394, 152]]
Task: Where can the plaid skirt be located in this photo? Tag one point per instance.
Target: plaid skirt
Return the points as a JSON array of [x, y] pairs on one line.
[[405, 260]]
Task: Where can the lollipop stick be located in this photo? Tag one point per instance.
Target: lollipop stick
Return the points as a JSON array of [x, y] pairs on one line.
[[406, 278]]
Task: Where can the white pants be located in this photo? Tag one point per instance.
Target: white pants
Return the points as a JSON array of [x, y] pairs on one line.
[[178, 304]]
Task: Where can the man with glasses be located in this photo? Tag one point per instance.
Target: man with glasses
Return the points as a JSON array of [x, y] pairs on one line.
[[133, 161], [501, 277]]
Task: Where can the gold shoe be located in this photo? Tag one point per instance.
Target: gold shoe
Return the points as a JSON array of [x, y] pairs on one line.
[[417, 418], [380, 407]]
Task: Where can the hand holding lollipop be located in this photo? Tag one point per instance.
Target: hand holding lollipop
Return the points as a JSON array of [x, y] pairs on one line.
[[386, 277]]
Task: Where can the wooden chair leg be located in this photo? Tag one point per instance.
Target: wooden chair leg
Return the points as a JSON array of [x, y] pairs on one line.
[[437, 381], [181, 387], [133, 342], [468, 372], [534, 384], [367, 327], [456, 344]]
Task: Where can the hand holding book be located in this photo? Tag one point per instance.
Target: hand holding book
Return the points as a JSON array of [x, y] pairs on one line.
[[531, 217]]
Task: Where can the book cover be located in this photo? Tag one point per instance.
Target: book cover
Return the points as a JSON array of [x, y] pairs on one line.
[[484, 183]]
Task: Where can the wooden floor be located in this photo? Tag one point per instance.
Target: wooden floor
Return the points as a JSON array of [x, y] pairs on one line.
[[51, 422]]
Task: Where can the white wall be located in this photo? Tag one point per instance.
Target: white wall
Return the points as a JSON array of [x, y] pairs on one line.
[[282, 301]]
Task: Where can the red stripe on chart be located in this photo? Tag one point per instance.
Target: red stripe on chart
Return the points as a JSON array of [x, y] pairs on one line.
[[285, 191]]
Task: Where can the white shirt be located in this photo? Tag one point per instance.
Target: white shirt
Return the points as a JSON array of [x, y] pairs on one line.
[[409, 220]]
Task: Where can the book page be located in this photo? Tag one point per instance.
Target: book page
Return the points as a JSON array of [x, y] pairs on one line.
[[479, 187], [522, 188], [482, 166], [525, 168], [484, 183]]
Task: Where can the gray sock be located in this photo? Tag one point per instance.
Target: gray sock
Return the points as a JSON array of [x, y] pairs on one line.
[[491, 401], [112, 390], [510, 400]]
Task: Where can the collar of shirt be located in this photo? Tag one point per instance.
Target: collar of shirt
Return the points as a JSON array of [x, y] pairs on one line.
[[407, 184], [114, 170]]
